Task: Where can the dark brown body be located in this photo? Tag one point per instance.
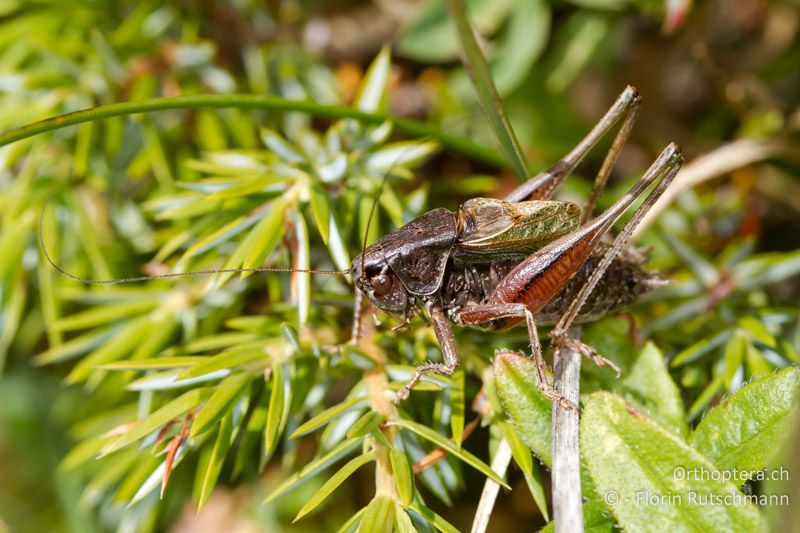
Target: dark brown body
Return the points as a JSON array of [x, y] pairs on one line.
[[623, 283], [498, 263]]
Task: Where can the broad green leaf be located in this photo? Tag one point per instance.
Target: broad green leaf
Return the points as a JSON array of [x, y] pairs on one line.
[[526, 406], [334, 481], [327, 415], [172, 410], [650, 386], [379, 517], [225, 395], [208, 473], [280, 399], [644, 380], [403, 475], [335, 454], [632, 460], [596, 519], [373, 88], [442, 442], [746, 429], [487, 94]]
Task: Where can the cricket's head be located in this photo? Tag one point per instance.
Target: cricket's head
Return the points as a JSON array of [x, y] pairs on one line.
[[377, 281]]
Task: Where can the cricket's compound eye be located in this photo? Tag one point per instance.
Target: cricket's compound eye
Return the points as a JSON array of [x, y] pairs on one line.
[[381, 284]]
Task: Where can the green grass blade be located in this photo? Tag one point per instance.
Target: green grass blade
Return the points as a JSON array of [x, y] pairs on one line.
[[487, 93]]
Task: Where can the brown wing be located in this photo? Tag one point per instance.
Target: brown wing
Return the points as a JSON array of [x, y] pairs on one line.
[[491, 230]]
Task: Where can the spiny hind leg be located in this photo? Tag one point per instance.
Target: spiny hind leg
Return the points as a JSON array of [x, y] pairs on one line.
[[543, 185], [562, 340], [482, 314], [663, 170]]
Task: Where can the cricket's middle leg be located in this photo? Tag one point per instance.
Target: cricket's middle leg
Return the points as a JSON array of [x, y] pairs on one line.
[[447, 342]]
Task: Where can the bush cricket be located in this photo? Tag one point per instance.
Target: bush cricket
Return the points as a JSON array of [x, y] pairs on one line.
[[496, 263]]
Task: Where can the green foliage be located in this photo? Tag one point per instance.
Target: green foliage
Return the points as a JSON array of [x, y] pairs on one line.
[[632, 459]]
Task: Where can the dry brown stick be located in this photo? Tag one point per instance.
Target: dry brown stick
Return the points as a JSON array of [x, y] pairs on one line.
[[567, 497], [502, 458]]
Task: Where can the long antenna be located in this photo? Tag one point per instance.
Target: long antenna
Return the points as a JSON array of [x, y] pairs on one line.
[[135, 279]]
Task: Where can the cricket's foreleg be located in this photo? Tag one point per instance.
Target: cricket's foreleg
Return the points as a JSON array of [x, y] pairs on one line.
[[444, 335], [665, 167], [543, 185], [482, 314]]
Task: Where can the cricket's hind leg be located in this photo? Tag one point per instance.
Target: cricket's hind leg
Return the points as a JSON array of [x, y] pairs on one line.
[[530, 285], [487, 313], [668, 165], [543, 185]]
